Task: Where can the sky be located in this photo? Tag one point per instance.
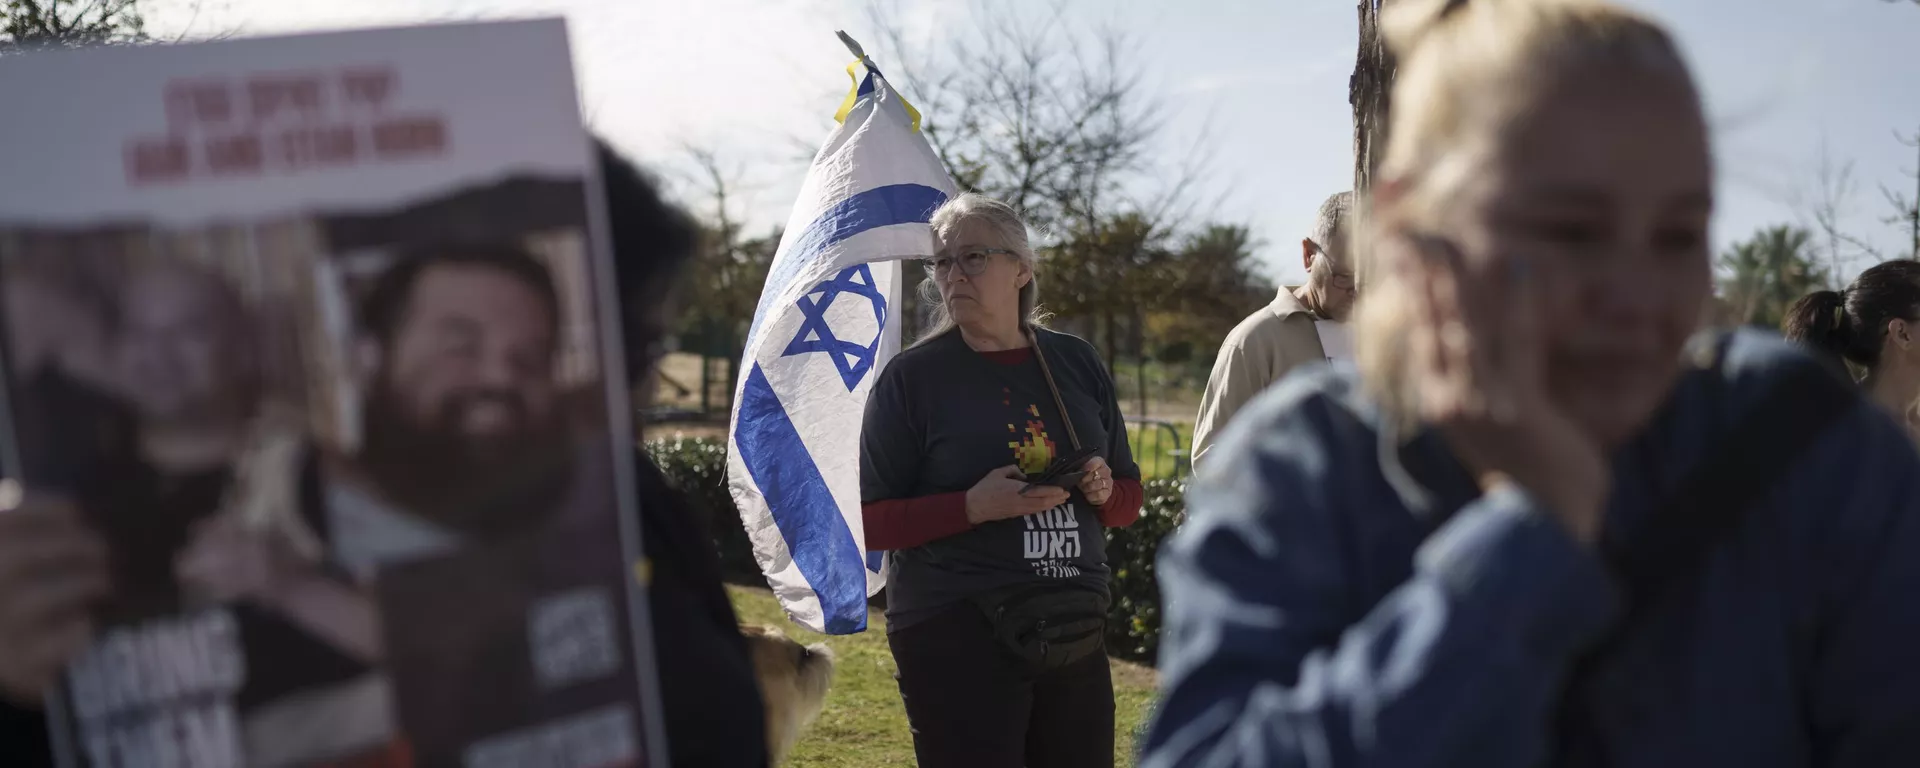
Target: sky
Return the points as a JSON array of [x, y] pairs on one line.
[[1259, 87]]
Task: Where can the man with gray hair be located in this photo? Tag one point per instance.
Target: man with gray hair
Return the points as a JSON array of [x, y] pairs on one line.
[[1304, 324]]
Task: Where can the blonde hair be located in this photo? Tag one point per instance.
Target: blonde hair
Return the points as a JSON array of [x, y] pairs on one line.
[[1009, 228], [1468, 71]]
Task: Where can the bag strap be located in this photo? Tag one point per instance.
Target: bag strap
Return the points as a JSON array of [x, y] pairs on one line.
[[1047, 373], [1709, 504]]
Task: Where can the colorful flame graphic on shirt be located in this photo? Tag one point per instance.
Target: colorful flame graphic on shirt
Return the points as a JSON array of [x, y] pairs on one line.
[[1033, 450]]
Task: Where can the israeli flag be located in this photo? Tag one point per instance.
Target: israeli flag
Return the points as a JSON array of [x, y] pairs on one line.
[[827, 323]]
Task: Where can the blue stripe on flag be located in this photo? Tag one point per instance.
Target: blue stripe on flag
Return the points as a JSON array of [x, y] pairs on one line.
[[872, 209], [802, 506]]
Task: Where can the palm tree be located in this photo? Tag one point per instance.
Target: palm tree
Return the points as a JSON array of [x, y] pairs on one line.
[[1767, 273]]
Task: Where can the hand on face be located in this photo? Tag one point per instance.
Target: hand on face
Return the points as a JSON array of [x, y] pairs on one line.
[[52, 570], [1480, 363]]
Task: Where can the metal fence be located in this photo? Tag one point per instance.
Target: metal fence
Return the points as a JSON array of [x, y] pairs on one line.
[[1159, 448]]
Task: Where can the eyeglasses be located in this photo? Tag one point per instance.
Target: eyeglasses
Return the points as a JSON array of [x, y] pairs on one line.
[[1340, 280], [972, 262]]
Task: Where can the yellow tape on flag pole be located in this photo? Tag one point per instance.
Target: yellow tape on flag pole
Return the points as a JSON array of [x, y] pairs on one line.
[[853, 95]]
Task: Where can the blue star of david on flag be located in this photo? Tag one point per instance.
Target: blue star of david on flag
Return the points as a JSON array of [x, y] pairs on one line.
[[816, 335]]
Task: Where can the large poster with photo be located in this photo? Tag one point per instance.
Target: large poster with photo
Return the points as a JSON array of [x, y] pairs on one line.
[[307, 330]]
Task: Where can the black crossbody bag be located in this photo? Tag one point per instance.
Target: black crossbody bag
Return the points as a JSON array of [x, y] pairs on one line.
[[1048, 626], [1710, 503]]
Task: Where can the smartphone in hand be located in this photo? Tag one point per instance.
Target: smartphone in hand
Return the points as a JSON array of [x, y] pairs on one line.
[[1065, 471]]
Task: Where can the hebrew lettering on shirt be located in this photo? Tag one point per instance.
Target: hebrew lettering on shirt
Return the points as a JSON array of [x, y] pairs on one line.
[[1051, 541]]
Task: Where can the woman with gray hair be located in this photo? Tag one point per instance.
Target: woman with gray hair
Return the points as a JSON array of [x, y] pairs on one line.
[[992, 457]]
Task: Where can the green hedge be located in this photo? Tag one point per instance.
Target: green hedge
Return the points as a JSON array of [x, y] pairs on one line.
[[698, 466]]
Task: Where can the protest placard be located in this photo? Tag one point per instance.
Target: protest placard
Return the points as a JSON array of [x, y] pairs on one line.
[[309, 329]]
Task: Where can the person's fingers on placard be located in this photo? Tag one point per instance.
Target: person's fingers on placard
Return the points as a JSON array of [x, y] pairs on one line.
[[52, 594], [48, 560], [52, 570], [33, 663], [69, 635], [28, 519], [50, 553]]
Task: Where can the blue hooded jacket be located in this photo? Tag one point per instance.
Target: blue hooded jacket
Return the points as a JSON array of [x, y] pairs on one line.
[[1327, 608]]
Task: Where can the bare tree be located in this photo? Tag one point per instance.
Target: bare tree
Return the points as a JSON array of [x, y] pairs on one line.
[[1835, 189], [723, 288], [1021, 104], [1369, 92], [1907, 209], [32, 23], [1055, 118]]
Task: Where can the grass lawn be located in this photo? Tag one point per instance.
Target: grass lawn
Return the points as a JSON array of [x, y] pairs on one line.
[[864, 724]]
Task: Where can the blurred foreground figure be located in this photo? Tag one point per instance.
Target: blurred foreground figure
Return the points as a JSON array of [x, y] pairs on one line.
[[53, 565], [1537, 527]]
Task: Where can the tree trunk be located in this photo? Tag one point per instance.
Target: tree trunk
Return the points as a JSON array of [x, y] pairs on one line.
[[1113, 357], [1140, 351], [733, 367], [1368, 92], [1913, 211]]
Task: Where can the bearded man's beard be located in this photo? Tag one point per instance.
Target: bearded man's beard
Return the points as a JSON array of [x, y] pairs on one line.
[[483, 486]]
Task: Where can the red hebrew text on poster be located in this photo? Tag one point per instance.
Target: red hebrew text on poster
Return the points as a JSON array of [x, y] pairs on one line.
[[281, 123]]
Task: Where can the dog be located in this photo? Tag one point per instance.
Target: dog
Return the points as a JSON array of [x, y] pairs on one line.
[[793, 682]]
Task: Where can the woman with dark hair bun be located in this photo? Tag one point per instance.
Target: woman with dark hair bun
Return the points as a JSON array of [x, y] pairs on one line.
[[1872, 323]]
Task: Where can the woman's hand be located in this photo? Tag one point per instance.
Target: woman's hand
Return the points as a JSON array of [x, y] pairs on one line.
[[997, 497], [1097, 485], [1479, 364], [52, 570], [227, 560]]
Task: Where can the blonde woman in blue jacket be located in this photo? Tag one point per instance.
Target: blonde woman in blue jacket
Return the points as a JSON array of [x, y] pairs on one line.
[[1535, 527]]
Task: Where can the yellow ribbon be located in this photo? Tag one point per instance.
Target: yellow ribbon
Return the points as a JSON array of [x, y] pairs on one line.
[[853, 95]]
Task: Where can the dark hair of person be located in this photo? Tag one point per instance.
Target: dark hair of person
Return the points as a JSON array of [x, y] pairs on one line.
[[385, 306], [652, 243], [1851, 324]]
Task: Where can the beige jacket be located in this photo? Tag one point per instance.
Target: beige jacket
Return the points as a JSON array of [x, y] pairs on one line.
[[1260, 350]]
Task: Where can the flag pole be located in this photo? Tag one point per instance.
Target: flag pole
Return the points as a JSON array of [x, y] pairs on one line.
[[854, 46]]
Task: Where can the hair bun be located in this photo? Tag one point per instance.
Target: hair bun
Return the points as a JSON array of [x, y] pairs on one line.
[[1404, 24]]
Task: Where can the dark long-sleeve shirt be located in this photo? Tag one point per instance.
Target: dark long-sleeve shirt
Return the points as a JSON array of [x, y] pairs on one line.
[[1319, 614], [908, 523], [942, 416]]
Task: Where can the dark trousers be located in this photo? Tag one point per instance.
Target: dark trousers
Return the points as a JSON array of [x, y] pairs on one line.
[[972, 704]]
